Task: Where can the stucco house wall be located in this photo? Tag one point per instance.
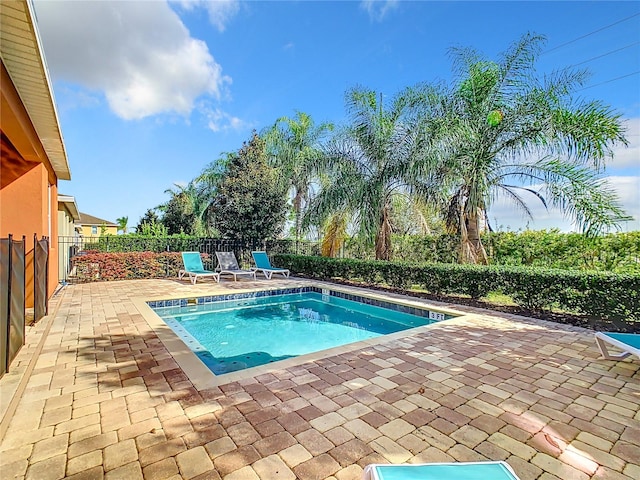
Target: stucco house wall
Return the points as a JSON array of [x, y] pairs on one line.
[[33, 153]]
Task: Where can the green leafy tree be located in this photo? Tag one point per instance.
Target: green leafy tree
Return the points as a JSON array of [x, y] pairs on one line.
[[250, 204], [122, 224], [155, 229], [203, 193], [501, 131], [294, 144], [188, 210], [178, 213], [366, 166], [149, 218]]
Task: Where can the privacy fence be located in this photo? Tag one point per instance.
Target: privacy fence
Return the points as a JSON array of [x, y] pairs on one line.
[[18, 266]]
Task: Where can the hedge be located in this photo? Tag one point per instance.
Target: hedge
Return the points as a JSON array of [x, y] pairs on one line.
[[606, 296], [97, 266], [601, 295]]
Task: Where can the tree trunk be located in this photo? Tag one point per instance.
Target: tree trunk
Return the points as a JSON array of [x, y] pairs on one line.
[[471, 248], [383, 237], [297, 207]]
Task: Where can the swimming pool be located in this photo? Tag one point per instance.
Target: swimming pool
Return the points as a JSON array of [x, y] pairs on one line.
[[238, 331]]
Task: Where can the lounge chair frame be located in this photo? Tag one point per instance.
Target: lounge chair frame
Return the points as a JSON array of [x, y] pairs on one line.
[[263, 264], [602, 338], [228, 265], [193, 268]]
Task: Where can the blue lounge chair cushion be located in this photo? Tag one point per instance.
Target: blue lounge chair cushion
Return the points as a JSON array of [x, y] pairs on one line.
[[440, 471], [193, 268], [263, 264]]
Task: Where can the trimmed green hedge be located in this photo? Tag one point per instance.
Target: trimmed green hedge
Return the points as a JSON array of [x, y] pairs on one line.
[[601, 295], [610, 297], [615, 252]]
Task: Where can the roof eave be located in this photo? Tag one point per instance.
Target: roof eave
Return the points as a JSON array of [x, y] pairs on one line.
[[21, 41]]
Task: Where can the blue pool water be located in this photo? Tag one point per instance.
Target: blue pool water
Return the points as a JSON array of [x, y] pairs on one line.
[[237, 334]]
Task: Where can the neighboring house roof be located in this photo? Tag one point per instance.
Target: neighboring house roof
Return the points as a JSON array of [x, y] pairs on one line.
[[22, 55], [69, 203], [86, 219]]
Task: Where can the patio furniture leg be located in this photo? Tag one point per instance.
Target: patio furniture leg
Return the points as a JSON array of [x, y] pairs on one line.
[[605, 352]]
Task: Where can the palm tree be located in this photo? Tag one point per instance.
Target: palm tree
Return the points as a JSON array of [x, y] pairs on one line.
[[293, 143], [186, 211], [122, 224], [502, 131], [335, 233], [366, 165], [205, 190]]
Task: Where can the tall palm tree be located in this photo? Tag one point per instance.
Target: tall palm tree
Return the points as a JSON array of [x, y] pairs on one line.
[[366, 165], [293, 144], [122, 224], [503, 131]]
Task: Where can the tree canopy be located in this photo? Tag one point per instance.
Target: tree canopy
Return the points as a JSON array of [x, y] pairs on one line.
[[250, 204], [503, 131], [499, 130]]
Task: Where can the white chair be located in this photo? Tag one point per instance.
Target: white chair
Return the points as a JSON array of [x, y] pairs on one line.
[[193, 267], [228, 265], [263, 265], [629, 343]]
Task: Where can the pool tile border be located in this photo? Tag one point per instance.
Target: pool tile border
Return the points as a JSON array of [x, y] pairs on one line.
[[398, 307]]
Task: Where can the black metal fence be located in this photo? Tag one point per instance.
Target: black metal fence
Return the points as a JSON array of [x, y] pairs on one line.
[[74, 247], [12, 299], [40, 277]]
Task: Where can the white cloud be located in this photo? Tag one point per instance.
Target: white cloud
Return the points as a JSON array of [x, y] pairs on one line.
[[504, 215], [139, 54], [220, 11], [628, 156], [378, 9], [628, 190], [219, 121]]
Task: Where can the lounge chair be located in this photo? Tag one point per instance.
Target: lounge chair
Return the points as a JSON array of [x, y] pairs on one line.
[[193, 268], [228, 264], [629, 343], [439, 471], [264, 265]]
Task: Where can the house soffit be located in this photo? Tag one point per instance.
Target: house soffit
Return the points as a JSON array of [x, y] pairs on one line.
[[22, 56]]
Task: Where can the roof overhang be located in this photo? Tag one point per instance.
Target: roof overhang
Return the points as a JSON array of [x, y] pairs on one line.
[[69, 203], [22, 55]]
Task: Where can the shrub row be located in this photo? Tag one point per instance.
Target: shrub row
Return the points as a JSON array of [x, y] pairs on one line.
[[183, 243], [600, 295], [619, 252], [616, 252], [98, 266]]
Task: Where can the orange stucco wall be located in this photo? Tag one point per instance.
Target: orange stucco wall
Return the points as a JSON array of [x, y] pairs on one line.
[[28, 206], [28, 186]]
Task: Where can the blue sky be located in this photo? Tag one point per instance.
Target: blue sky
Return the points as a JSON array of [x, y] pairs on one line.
[[148, 93]]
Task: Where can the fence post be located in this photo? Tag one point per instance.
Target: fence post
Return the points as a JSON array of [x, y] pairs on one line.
[[10, 268], [35, 275], [46, 276]]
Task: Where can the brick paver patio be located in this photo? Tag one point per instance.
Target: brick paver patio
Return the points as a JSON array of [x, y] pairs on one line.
[[96, 394]]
